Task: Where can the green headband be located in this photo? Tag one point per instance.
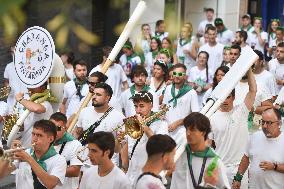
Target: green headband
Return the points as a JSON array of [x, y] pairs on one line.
[[166, 52]]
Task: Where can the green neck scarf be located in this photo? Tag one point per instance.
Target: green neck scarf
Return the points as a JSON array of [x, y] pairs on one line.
[[50, 153], [272, 35], [248, 28], [133, 90], [183, 42], [154, 54], [208, 152], [182, 91], [128, 58], [67, 137]]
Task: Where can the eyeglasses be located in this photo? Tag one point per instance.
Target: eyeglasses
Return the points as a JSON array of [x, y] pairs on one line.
[[91, 83], [262, 122], [178, 74]]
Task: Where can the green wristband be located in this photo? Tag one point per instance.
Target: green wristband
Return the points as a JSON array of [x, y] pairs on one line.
[[238, 177]]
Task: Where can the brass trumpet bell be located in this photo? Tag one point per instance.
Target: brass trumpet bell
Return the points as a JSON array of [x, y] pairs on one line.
[[4, 92], [133, 127]]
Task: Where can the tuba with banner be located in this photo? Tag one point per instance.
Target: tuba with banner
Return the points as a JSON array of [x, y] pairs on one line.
[[36, 63]]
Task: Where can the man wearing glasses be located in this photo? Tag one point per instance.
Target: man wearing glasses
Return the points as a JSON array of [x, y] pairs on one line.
[[183, 100], [230, 129], [67, 146], [264, 154]]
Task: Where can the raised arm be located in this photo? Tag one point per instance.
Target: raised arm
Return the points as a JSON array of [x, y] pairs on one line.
[[250, 97]]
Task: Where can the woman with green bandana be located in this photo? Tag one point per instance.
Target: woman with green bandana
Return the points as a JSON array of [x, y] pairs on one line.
[[40, 167], [67, 146], [151, 56], [167, 44], [193, 164], [186, 47]]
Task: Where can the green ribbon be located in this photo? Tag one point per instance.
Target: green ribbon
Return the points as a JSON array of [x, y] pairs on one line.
[[183, 42], [250, 120], [50, 153], [128, 58], [208, 152], [146, 88], [67, 137], [182, 91]]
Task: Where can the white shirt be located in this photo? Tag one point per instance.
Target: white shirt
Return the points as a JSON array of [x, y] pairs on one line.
[[70, 73], [206, 95], [277, 70], [255, 42], [153, 88], [185, 58], [115, 76], [89, 116], [116, 179], [185, 105], [215, 55], [199, 76], [26, 137], [56, 166], [267, 79], [149, 62], [149, 182], [181, 178], [139, 157], [260, 149], [230, 133], [202, 26], [73, 100], [128, 105], [226, 37], [15, 84], [70, 154]]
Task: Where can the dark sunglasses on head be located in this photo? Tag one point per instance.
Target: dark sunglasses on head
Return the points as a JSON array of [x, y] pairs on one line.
[[179, 74], [91, 83]]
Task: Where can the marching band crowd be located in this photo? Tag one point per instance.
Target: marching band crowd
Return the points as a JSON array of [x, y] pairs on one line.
[[130, 143]]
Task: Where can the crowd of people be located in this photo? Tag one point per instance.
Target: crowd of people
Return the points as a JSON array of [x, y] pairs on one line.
[[123, 140]]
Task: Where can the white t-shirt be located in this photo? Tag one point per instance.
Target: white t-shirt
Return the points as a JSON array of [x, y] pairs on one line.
[[161, 89], [128, 105], [267, 79], [242, 89], [202, 26], [15, 84], [215, 55], [260, 149], [26, 137], [255, 42], [149, 63], [73, 100], [181, 178], [70, 73], [185, 105], [70, 154], [230, 133], [277, 70], [56, 166], [160, 36], [199, 76], [149, 182], [226, 37], [185, 58], [89, 116], [116, 179], [139, 157], [115, 76], [206, 95]]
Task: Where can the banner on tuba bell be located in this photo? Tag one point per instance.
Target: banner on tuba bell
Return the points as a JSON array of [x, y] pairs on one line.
[[34, 55]]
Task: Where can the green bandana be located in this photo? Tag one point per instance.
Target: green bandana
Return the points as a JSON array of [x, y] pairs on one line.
[[250, 120], [67, 137], [248, 28], [272, 35], [208, 152], [128, 58], [132, 89], [183, 42], [50, 153], [200, 82], [182, 91], [154, 54]]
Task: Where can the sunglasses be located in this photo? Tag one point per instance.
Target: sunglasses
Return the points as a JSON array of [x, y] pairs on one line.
[[262, 122], [178, 74], [58, 128], [91, 83]]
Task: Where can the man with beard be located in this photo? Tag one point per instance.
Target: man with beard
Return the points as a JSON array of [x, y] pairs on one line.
[[100, 116], [75, 89], [264, 154], [241, 39], [183, 100], [104, 174], [230, 128], [138, 77]]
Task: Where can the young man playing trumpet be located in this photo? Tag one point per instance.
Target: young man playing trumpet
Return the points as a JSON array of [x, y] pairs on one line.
[[67, 146], [39, 167], [143, 102]]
